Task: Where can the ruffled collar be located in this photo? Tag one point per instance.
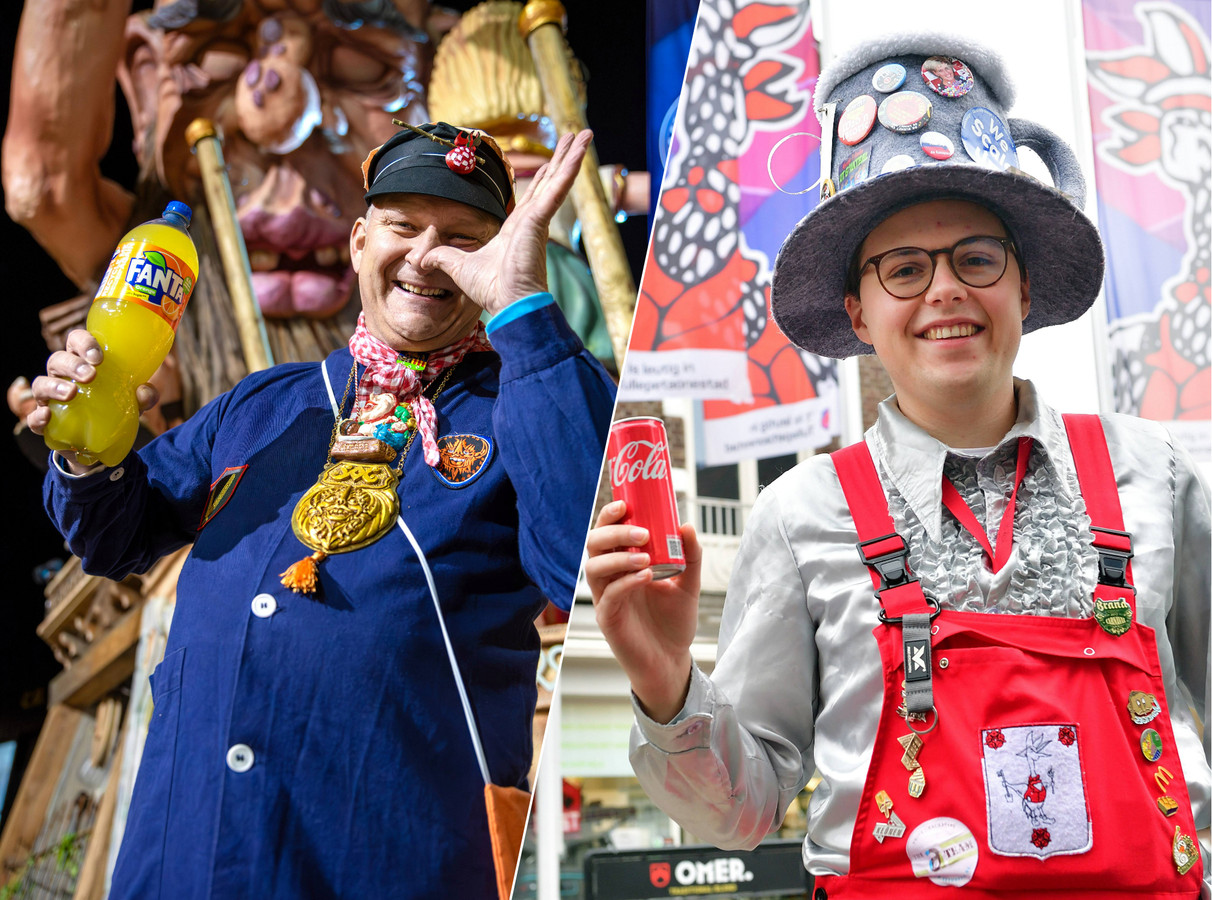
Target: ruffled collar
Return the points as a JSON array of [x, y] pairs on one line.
[[912, 460]]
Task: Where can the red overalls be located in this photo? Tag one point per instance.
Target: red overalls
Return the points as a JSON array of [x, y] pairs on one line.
[[1044, 762]]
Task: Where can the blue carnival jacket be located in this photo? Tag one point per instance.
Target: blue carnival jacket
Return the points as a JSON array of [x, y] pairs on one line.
[[305, 749]]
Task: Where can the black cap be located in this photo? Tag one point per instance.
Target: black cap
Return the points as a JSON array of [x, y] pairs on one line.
[[415, 163]]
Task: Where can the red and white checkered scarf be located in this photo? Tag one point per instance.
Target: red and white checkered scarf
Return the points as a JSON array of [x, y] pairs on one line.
[[386, 374]]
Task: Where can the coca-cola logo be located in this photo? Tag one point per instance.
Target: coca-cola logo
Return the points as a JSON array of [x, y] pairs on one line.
[[639, 461]]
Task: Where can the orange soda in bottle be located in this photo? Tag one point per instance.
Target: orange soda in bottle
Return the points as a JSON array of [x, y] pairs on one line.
[[134, 318]]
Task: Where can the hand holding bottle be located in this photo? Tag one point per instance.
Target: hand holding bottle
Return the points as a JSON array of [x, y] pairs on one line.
[[65, 370], [132, 322]]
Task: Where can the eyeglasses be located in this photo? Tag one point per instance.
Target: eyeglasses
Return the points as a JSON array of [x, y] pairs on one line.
[[905, 272]]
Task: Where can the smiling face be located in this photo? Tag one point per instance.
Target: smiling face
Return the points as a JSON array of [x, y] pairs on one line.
[[409, 304], [952, 346]]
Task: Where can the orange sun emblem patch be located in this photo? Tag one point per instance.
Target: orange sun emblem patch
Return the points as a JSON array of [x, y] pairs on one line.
[[463, 458]]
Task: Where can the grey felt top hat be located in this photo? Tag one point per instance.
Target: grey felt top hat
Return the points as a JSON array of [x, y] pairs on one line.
[[965, 149]]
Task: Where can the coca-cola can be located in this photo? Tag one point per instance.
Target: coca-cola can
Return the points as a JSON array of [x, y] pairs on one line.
[[640, 476]]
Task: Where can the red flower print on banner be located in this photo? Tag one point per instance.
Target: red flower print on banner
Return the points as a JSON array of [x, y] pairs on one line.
[[1066, 736], [995, 738], [1040, 837]]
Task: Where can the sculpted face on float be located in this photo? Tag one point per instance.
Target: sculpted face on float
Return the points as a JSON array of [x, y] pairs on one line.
[[408, 303], [300, 100], [952, 343]]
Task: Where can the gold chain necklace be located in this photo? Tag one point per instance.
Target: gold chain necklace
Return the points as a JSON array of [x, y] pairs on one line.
[[353, 503]]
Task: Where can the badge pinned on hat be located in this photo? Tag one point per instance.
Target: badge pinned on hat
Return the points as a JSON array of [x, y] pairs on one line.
[[987, 139], [857, 119], [888, 78], [897, 163], [947, 76], [936, 145], [854, 169], [905, 111]]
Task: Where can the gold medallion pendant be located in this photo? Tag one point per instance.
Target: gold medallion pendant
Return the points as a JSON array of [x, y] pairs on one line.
[[351, 505]]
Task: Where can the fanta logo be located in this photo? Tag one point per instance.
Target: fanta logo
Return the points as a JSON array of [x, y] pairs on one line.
[[639, 461], [149, 274]]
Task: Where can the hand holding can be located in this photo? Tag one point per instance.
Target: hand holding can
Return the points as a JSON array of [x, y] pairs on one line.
[[640, 475]]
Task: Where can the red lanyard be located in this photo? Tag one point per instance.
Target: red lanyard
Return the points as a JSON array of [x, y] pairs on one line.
[[1005, 532]]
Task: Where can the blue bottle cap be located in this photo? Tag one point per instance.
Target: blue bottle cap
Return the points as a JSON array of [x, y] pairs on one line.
[[177, 208]]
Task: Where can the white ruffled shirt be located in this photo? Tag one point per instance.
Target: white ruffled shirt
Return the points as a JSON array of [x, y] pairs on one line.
[[797, 684]]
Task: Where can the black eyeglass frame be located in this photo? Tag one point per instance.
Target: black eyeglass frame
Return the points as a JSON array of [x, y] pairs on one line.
[[1007, 244]]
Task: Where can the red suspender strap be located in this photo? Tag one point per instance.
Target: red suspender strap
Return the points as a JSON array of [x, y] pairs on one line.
[[886, 556], [1096, 479], [880, 547]]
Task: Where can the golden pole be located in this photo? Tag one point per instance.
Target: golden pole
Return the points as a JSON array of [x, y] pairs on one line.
[[204, 140], [542, 25]]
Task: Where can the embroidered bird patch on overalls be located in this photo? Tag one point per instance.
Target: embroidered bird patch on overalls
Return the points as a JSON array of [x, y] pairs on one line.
[[463, 458], [1035, 791]]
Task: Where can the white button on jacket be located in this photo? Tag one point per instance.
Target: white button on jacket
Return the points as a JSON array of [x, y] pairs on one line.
[[239, 757]]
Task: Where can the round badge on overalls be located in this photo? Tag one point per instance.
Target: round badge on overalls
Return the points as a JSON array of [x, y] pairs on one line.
[[855, 123], [936, 145], [897, 163], [905, 111], [1151, 745], [947, 76], [987, 139], [943, 850], [888, 78]]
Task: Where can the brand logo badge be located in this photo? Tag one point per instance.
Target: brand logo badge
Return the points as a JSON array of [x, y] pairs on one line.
[[1113, 616]]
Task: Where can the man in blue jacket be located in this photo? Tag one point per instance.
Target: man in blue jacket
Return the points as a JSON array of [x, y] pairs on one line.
[[307, 739]]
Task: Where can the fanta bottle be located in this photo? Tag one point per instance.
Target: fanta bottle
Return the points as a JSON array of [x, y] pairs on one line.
[[134, 318]]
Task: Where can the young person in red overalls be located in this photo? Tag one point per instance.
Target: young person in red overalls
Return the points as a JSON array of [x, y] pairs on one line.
[[986, 625]]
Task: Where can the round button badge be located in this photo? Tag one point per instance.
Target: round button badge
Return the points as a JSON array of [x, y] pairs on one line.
[[1151, 745], [936, 145], [897, 163], [855, 123], [987, 139], [947, 76], [888, 78], [905, 111], [944, 850]]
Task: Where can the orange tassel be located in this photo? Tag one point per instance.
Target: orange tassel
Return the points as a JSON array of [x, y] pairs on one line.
[[301, 577]]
